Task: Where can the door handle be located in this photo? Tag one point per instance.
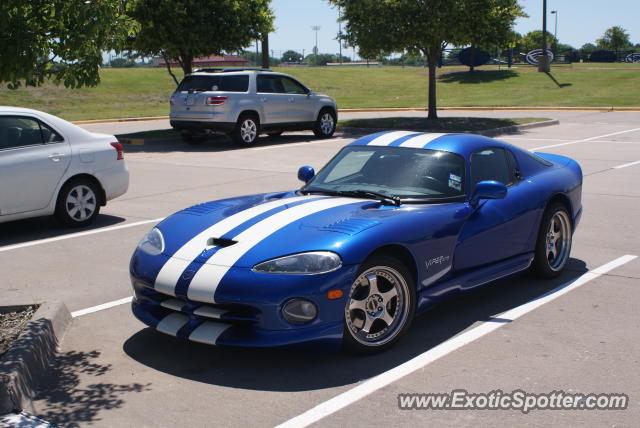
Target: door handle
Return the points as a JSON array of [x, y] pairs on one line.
[[291, 99], [56, 156], [263, 99]]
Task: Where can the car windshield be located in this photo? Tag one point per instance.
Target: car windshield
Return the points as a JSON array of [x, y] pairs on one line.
[[396, 172]]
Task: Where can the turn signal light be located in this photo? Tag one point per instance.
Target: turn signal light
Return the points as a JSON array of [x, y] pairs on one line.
[[334, 294]]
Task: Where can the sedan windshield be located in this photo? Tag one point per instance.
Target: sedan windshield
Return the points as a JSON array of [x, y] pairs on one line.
[[396, 172]]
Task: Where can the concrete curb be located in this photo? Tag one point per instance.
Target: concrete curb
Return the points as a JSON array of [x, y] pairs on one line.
[[391, 109], [487, 132], [27, 361]]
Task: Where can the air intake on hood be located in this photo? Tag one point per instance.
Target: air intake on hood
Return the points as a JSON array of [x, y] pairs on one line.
[[220, 242], [203, 209]]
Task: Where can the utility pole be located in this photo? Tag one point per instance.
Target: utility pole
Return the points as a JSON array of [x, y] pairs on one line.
[[543, 61], [265, 50], [316, 28], [340, 34], [555, 30]]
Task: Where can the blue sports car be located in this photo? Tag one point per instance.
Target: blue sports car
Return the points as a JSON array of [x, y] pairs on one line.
[[394, 223]]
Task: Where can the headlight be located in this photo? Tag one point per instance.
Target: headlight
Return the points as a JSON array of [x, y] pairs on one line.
[[304, 263], [152, 243]]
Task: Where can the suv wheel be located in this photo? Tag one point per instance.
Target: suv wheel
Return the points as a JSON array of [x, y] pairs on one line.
[[193, 137], [247, 130], [325, 124]]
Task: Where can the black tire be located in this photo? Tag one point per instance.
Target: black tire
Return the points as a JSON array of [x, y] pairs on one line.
[[193, 137], [325, 123], [275, 134], [390, 274], [247, 130], [78, 203], [553, 245]]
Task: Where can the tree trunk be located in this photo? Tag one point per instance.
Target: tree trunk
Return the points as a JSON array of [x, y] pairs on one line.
[[432, 58], [166, 61], [265, 50], [185, 61]]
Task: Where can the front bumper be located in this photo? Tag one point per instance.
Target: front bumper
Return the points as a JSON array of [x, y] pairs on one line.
[[247, 309]]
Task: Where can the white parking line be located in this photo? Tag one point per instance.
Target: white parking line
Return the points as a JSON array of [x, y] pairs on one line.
[[101, 307], [351, 396], [624, 165], [286, 146], [584, 140], [77, 235]]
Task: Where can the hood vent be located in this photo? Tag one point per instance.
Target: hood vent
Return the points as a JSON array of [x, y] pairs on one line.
[[220, 242], [204, 209], [351, 226]]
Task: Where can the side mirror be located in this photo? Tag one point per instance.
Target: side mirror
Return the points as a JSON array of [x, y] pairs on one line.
[[489, 189], [306, 173]]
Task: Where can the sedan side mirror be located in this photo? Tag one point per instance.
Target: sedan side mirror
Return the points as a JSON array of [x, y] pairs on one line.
[[306, 173], [488, 189]]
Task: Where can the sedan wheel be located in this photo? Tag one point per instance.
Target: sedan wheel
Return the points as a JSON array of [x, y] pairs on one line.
[[380, 306], [78, 203]]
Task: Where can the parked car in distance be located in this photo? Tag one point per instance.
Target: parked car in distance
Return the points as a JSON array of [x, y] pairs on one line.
[[244, 103], [50, 166], [394, 223]]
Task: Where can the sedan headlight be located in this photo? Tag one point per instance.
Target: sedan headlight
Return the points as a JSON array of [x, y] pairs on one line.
[[303, 263], [152, 243]]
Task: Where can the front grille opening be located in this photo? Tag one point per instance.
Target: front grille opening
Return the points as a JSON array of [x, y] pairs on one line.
[[220, 242]]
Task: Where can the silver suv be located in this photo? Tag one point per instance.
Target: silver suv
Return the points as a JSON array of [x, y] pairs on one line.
[[247, 102]]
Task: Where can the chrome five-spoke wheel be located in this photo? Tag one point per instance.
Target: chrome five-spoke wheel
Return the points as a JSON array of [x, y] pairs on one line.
[[380, 305], [554, 242]]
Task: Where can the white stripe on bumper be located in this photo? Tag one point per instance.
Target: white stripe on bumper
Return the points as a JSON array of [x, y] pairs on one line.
[[208, 332], [172, 323], [173, 268], [206, 280]]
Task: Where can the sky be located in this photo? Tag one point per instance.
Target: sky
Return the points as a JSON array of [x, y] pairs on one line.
[[579, 22]]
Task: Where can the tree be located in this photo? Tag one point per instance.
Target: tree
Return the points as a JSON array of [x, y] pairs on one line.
[[58, 39], [182, 30], [533, 40], [291, 56], [420, 27], [615, 39]]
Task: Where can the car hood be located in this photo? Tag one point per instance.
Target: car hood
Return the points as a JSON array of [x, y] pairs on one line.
[[243, 231]]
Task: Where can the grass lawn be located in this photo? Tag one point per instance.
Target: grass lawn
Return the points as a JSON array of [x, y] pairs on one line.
[[139, 92], [445, 124]]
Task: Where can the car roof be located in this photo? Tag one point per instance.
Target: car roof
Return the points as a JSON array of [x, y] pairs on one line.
[[462, 144]]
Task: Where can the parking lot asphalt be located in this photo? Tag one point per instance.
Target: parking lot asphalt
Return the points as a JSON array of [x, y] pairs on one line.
[[112, 371]]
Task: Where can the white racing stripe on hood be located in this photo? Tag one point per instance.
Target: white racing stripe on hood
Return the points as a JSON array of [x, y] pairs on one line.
[[206, 280], [388, 138], [173, 268], [420, 141]]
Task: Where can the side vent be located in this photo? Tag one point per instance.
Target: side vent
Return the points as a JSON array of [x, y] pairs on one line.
[[220, 242]]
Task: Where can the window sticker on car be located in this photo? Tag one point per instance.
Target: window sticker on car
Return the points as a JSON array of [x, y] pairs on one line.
[[214, 88], [455, 181]]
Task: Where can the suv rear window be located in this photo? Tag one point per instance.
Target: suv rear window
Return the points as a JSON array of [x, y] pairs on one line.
[[199, 83]]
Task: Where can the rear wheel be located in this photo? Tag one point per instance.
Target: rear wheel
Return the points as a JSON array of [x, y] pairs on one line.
[[380, 307], [78, 204], [193, 137], [247, 130], [554, 242], [325, 124]]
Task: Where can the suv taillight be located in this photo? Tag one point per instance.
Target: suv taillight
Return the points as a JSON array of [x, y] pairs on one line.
[[119, 149], [216, 100]]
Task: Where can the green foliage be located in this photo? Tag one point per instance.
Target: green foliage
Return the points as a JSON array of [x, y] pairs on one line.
[[61, 40], [323, 59], [615, 38], [122, 63], [533, 40], [186, 29], [291, 56]]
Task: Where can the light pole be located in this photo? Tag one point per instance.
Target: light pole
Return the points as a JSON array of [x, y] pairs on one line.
[[316, 28], [543, 60], [555, 30]]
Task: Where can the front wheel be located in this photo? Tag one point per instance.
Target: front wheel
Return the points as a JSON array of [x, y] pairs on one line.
[[78, 204], [554, 242], [380, 307], [325, 124], [246, 131]]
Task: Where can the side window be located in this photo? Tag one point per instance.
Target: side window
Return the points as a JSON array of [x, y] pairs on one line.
[[49, 135], [292, 87], [490, 164], [17, 131], [269, 84], [239, 83]]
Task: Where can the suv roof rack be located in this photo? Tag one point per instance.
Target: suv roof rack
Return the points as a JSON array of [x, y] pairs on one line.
[[228, 70]]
